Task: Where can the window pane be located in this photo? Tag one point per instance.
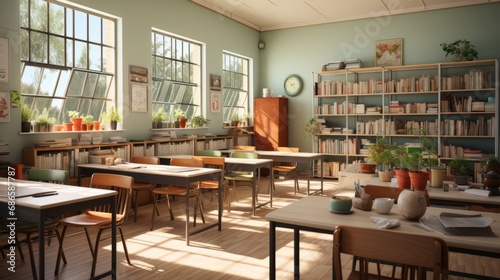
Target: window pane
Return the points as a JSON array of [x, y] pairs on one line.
[[158, 45], [80, 25], [24, 13], [63, 83], [39, 45], [69, 53], [48, 83], [69, 22], [56, 50], [25, 51], [71, 105], [95, 27], [96, 108], [30, 79], [84, 106], [108, 31], [56, 19], [101, 87], [88, 90], [38, 15], [80, 55], [76, 84], [108, 60], [159, 69], [168, 47], [94, 57]]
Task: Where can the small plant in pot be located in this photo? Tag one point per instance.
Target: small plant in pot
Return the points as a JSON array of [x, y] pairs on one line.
[[158, 117], [490, 164], [199, 121], [382, 155], [460, 50], [25, 118], [180, 118], [418, 178], [114, 117], [458, 168]]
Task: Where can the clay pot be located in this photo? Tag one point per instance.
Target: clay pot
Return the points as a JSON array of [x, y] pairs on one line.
[[368, 168], [25, 126], [412, 204], [418, 179], [68, 126], [96, 125], [403, 178], [182, 122], [385, 176], [77, 123]]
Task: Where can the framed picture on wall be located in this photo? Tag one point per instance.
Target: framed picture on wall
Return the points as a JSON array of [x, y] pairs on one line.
[[4, 106], [214, 101], [138, 97], [215, 82], [138, 74], [389, 52]]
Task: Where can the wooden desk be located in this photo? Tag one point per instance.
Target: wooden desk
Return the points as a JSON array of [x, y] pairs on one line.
[[453, 197], [68, 199], [312, 213], [242, 164], [163, 175], [299, 157]]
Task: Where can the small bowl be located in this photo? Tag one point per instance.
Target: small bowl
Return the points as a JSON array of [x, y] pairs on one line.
[[341, 204]]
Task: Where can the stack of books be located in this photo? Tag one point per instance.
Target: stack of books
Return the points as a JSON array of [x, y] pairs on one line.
[[4, 147], [360, 109], [353, 63], [117, 139], [334, 65]]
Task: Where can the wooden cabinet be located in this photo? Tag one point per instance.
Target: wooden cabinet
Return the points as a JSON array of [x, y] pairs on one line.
[[270, 123]]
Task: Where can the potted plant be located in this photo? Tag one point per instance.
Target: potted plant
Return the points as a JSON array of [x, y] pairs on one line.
[[180, 118], [235, 120], [76, 120], [199, 121], [158, 117], [460, 50], [25, 118], [490, 164], [114, 117], [382, 155], [89, 121], [42, 121], [459, 171]]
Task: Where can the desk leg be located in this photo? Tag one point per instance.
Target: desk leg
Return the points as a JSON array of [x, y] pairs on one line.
[[271, 184], [113, 238], [272, 251], [41, 249], [254, 195], [321, 175], [187, 215], [221, 201], [296, 254]]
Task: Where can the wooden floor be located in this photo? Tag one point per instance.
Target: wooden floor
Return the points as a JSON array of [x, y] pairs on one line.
[[239, 251]]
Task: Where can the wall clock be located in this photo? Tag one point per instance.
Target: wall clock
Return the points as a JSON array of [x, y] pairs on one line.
[[293, 85]]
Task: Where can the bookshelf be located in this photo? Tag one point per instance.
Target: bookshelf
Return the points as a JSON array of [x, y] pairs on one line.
[[454, 103]]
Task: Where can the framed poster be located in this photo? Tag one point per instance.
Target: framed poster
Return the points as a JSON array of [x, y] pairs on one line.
[[215, 82], [138, 74], [4, 61], [4, 106], [389, 52], [138, 97], [215, 101]]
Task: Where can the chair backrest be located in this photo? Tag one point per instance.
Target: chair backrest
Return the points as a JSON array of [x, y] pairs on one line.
[[287, 149], [145, 160], [209, 153], [212, 162], [244, 154], [122, 184], [391, 246], [48, 175], [245, 148], [391, 192], [191, 162]]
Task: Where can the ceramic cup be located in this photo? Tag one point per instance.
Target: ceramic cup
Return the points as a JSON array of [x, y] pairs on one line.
[[341, 204], [384, 205]]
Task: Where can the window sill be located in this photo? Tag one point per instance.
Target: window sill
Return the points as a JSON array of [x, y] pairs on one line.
[[70, 132], [173, 128]]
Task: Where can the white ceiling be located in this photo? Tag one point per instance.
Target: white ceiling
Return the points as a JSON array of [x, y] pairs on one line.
[[265, 15]]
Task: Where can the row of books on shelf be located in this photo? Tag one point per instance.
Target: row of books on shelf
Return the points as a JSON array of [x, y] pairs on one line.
[[330, 168], [480, 127], [175, 148], [453, 103], [475, 79], [411, 108], [70, 159]]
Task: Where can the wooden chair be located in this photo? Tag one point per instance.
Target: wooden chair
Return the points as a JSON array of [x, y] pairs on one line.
[[245, 148], [287, 167], [139, 186], [213, 186], [391, 192], [28, 228], [100, 218], [416, 253], [242, 176], [192, 191], [209, 153]]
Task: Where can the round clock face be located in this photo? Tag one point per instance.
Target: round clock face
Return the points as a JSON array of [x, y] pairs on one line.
[[293, 85]]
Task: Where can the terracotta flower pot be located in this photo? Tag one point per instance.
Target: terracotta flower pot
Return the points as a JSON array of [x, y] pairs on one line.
[[182, 122], [418, 180], [77, 123], [68, 126], [403, 178], [96, 125]]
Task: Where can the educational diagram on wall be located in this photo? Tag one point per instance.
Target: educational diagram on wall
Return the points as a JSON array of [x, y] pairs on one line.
[[4, 61]]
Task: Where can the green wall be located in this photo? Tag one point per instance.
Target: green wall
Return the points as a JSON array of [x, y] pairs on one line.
[[297, 50]]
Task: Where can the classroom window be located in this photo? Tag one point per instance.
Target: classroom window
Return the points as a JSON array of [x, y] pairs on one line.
[[176, 65], [235, 85], [68, 59]]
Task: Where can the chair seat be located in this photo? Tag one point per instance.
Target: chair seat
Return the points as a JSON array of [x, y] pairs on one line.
[[173, 190], [211, 185], [239, 176], [91, 219], [283, 168], [142, 186], [356, 275]]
